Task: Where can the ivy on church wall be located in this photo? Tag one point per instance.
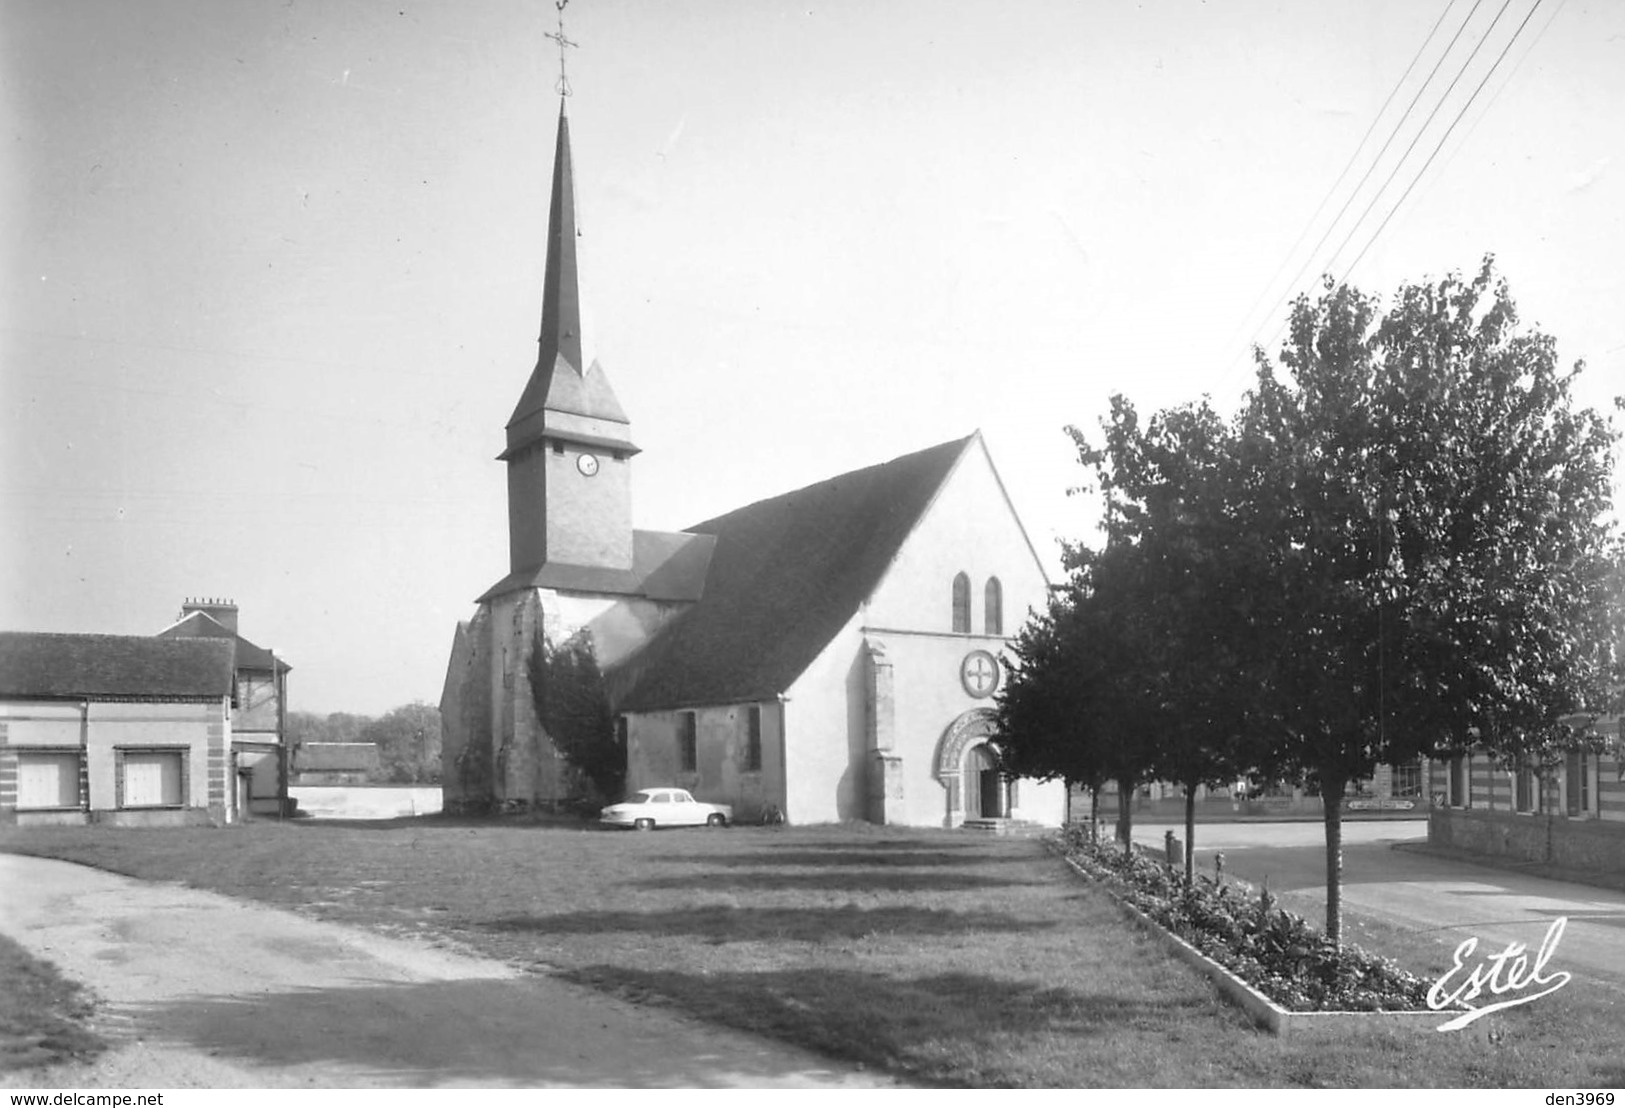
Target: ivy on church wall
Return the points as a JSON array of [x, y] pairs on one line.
[[572, 704]]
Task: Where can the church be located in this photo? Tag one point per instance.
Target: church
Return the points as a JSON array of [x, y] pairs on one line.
[[828, 654]]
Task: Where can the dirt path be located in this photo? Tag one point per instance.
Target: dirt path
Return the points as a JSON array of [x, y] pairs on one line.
[[201, 991]]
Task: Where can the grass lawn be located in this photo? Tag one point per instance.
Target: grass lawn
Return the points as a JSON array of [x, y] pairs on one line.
[[940, 956], [42, 1015]]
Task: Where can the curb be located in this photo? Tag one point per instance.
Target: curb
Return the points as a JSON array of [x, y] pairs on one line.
[[1265, 1012]]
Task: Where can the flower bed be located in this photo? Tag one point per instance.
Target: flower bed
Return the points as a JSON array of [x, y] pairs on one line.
[[1277, 953]]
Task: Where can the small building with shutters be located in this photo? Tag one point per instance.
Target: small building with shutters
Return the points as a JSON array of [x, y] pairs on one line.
[[118, 729], [1569, 812], [259, 752]]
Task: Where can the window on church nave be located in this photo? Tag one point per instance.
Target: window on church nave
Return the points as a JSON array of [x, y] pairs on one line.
[[753, 739], [962, 604], [688, 743], [993, 607]]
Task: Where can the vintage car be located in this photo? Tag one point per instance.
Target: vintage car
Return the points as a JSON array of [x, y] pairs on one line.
[[647, 809]]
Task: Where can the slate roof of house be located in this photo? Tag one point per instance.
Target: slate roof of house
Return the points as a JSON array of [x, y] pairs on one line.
[[786, 575], [124, 667], [201, 625]]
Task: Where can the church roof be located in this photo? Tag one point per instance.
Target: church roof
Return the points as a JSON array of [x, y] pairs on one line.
[[201, 625], [666, 565], [787, 575], [566, 379], [126, 667]]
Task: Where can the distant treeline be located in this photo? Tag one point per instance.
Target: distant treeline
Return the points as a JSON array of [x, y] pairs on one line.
[[408, 739]]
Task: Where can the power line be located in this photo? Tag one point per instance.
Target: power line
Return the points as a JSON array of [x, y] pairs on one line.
[[1281, 328], [1462, 72], [1354, 157], [1440, 146], [1377, 160]]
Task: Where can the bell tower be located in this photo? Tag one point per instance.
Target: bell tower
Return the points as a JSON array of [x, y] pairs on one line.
[[569, 448]]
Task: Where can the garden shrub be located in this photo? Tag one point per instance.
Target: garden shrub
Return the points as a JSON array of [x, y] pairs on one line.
[[1276, 952]]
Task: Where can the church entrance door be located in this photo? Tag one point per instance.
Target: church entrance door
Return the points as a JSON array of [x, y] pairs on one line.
[[984, 785]]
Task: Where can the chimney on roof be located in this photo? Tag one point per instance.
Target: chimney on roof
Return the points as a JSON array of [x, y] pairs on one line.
[[223, 612]]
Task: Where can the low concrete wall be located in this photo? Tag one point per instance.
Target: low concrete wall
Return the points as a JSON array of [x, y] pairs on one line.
[[1585, 844], [376, 802], [155, 817], [1261, 1009]]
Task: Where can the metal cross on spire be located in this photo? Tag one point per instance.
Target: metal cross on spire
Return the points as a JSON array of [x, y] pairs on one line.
[[563, 87]]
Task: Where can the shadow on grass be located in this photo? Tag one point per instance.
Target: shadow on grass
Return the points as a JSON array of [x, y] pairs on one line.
[[938, 840], [948, 1028], [43, 1014], [870, 859], [871, 880], [434, 820], [722, 924], [529, 1031]]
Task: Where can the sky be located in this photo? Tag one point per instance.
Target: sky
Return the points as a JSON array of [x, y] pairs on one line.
[[271, 272]]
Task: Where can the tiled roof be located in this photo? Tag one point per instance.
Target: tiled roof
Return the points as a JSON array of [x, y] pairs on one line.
[[204, 626], [38, 664], [786, 576]]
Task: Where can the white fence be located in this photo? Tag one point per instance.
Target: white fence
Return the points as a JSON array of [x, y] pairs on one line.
[[366, 802]]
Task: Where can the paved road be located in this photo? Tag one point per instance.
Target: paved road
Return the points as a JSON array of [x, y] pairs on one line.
[[1417, 891], [203, 991]]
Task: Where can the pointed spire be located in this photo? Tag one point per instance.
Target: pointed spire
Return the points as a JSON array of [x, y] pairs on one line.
[[567, 379], [561, 291]]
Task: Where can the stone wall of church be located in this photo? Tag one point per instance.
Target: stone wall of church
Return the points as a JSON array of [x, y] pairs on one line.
[[826, 734], [589, 518], [465, 718], [722, 771], [495, 754], [970, 529]]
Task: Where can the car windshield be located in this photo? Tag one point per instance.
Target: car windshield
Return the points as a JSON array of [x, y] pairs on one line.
[[641, 797]]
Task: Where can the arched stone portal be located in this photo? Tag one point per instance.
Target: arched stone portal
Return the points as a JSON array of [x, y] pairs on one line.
[[970, 730]]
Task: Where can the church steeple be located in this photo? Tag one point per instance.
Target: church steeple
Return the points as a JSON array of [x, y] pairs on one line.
[[568, 442], [567, 379]]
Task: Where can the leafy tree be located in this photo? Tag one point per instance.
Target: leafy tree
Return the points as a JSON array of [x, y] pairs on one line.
[[408, 741], [1441, 549], [1171, 486], [335, 727], [568, 690], [1072, 706], [300, 728], [1041, 717]]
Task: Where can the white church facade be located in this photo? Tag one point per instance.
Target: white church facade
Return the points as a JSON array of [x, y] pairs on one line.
[[828, 654]]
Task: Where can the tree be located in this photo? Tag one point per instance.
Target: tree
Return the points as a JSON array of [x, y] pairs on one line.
[[1041, 717], [1441, 550], [1171, 486], [408, 741], [573, 708], [1072, 706]]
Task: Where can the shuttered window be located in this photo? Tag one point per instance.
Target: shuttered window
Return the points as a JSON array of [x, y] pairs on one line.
[[1458, 783], [1577, 782], [48, 780], [152, 779]]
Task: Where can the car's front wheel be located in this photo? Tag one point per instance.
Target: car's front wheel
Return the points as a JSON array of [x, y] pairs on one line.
[[716, 819], [644, 824]]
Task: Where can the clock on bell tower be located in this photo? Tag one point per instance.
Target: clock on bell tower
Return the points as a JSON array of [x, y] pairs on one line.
[[569, 452]]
